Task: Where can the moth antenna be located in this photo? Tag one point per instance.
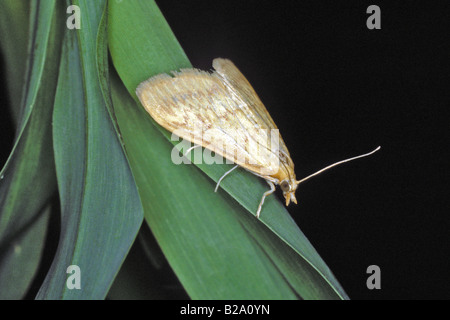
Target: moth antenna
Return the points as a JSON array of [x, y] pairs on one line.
[[336, 164]]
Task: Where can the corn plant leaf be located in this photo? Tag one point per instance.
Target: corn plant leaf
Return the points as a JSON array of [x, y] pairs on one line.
[[14, 31], [27, 180], [213, 242], [101, 209]]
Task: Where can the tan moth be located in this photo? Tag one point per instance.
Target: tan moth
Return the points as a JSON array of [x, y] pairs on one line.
[[221, 111]]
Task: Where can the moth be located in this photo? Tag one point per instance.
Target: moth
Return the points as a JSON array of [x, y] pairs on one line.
[[223, 104]]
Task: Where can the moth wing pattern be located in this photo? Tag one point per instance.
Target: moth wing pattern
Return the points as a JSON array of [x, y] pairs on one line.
[[195, 102], [239, 84]]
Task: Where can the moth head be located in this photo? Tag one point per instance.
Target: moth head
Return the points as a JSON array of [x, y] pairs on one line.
[[289, 186]]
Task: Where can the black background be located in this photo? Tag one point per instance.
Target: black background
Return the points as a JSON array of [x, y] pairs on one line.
[[337, 89]]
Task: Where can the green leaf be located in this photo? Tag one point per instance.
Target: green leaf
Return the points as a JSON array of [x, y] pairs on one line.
[[14, 24], [27, 180], [101, 209], [20, 260], [215, 245]]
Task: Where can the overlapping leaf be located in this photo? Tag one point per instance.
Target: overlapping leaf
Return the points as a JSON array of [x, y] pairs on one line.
[[101, 210], [212, 240], [27, 180], [216, 247]]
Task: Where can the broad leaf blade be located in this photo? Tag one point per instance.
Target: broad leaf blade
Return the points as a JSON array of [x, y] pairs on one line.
[[27, 180], [217, 249], [20, 260], [211, 262], [14, 20], [101, 210]]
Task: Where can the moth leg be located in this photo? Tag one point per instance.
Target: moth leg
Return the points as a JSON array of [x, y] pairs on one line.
[[190, 149], [218, 182], [272, 189]]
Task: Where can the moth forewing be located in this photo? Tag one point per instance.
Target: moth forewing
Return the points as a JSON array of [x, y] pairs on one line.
[[219, 111]]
